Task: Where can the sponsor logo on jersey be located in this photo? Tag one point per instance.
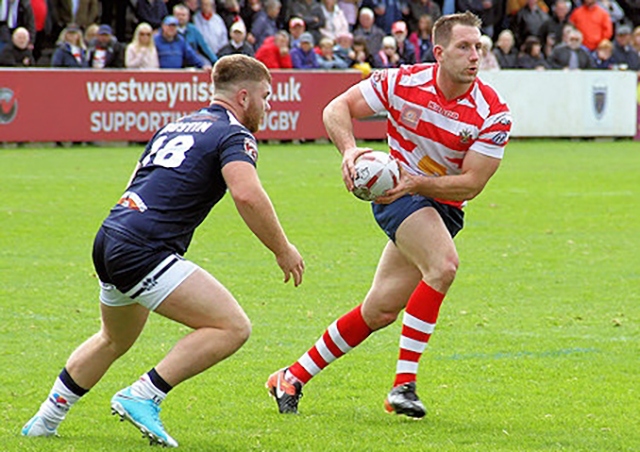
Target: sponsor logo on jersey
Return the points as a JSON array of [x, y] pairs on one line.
[[251, 148], [500, 138], [132, 201], [8, 106], [410, 116], [431, 105]]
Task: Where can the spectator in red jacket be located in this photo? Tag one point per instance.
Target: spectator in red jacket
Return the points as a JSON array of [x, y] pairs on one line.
[[594, 23], [274, 51]]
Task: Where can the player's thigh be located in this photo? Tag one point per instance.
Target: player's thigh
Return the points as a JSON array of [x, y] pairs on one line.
[[123, 324], [394, 281], [425, 241], [202, 301]]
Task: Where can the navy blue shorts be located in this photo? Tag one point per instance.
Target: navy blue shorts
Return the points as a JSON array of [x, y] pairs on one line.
[[120, 261], [390, 216]]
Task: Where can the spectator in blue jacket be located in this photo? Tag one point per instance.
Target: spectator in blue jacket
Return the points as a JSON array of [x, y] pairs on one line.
[[71, 51], [624, 55], [304, 57], [191, 34], [173, 51]]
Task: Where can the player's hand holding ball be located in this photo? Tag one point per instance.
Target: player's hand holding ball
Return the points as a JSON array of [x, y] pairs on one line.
[[376, 172]]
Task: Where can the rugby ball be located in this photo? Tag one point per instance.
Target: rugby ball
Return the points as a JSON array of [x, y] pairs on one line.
[[376, 172]]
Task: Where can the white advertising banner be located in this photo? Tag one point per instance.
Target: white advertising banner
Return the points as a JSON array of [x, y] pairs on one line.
[[597, 103]]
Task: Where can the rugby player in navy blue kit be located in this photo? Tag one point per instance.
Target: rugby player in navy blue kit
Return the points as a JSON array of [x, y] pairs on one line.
[[184, 171]]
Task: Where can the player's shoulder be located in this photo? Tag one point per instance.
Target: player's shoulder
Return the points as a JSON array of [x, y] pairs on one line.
[[490, 94], [217, 121]]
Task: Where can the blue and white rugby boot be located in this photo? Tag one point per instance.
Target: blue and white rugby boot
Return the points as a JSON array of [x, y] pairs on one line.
[[38, 426], [144, 414]]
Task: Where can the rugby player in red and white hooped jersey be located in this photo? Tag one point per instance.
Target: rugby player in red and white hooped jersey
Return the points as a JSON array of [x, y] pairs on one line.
[[448, 129]]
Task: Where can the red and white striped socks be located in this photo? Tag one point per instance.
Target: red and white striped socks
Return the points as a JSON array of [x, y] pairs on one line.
[[342, 335], [418, 323]]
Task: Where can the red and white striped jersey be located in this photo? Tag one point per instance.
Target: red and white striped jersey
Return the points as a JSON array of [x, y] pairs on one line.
[[429, 134]]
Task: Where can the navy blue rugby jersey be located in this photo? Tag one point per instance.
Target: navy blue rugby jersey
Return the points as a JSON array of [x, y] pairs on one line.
[[180, 178]]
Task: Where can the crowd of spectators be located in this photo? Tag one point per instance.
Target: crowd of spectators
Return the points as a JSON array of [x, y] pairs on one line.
[[313, 34]]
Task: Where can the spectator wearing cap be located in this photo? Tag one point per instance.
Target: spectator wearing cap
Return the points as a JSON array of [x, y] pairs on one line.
[[594, 23], [105, 51], [71, 51], [368, 30], [151, 12], [192, 35], [141, 53], [304, 57], [275, 52], [173, 51], [405, 49], [296, 28], [211, 26], [18, 53], [237, 42], [335, 22], [624, 55]]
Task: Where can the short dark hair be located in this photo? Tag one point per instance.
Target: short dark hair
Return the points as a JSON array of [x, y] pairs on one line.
[[233, 70], [443, 26]]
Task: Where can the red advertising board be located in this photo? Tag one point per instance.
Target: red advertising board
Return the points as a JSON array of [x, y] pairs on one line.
[[120, 105]]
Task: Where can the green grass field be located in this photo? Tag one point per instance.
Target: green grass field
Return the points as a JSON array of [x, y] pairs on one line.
[[537, 347]]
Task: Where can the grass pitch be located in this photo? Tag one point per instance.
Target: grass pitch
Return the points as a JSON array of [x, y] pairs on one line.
[[537, 347]]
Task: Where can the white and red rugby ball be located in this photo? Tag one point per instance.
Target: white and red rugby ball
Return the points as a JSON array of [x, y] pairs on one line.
[[376, 172]]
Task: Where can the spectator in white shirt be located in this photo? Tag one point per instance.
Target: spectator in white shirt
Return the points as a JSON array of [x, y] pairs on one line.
[[211, 26]]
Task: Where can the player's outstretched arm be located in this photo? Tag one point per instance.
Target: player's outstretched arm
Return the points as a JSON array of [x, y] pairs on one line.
[[258, 213]]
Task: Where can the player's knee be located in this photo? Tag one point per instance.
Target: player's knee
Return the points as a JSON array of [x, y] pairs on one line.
[[449, 271], [116, 347], [240, 330], [442, 276], [377, 319]]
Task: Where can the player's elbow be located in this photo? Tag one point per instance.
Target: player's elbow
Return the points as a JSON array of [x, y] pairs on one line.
[[327, 113]]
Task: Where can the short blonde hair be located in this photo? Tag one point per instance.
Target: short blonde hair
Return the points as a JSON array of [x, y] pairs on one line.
[[389, 41], [444, 25], [232, 71]]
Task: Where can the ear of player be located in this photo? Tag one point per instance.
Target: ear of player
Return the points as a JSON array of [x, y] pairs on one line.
[[376, 172]]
